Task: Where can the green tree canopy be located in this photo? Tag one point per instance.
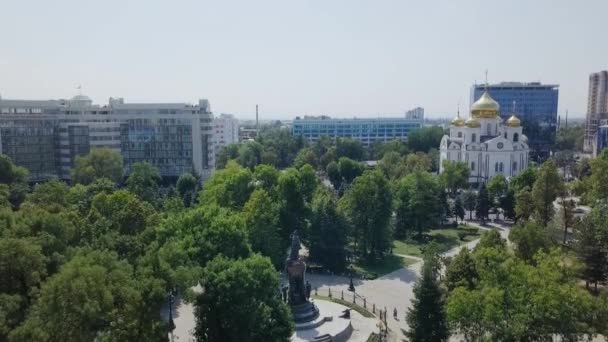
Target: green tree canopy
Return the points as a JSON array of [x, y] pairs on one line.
[[423, 139], [93, 297], [99, 163], [529, 238], [547, 187], [186, 187], [328, 231], [143, 182], [50, 195], [349, 148], [368, 205], [426, 318], [229, 188], [240, 303], [417, 204], [262, 220], [455, 175]]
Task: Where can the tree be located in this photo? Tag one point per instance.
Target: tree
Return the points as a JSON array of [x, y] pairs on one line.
[[50, 195], [526, 178], [305, 156], [93, 297], [228, 188], [507, 204], [528, 239], [524, 205], [240, 302], [547, 187], [458, 209], [333, 173], [599, 176], [186, 187], [22, 269], [469, 199], [367, 204], [392, 165], [423, 139], [482, 206], [497, 188], [517, 301], [143, 182], [11, 173], [591, 236], [262, 221], [455, 176], [15, 177], [250, 154], [99, 163], [417, 203], [461, 271], [565, 219], [349, 169], [418, 161], [426, 317], [491, 239], [328, 232], [226, 154], [349, 148], [294, 188], [266, 177]]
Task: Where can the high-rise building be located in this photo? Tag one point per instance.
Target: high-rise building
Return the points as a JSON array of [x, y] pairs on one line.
[[46, 136], [367, 131], [534, 103], [225, 131], [597, 106], [415, 113]]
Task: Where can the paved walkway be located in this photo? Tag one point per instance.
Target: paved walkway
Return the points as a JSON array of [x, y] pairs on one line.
[[391, 291]]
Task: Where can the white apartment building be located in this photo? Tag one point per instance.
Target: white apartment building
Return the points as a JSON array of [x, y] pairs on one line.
[[46, 136], [225, 130]]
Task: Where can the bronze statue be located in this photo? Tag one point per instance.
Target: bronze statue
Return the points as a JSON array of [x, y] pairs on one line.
[[295, 272]]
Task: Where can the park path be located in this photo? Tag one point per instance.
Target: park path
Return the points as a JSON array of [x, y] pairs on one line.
[[393, 290]]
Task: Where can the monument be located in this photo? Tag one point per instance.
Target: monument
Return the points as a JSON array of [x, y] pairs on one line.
[[298, 293]]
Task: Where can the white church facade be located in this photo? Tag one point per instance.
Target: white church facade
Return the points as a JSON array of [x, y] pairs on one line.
[[485, 143]]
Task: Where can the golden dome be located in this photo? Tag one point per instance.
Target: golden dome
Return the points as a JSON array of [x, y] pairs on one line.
[[485, 107], [458, 121], [513, 121], [472, 122]]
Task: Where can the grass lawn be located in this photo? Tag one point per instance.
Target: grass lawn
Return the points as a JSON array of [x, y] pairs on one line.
[[387, 265], [445, 238], [364, 312]]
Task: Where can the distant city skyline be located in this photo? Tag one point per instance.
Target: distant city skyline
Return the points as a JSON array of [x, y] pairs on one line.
[[340, 58]]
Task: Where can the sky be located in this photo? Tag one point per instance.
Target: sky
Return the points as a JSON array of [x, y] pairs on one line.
[[342, 58]]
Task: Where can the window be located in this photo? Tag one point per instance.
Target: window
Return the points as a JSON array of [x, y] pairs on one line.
[[496, 167], [489, 129], [472, 166], [460, 134], [473, 137], [515, 137], [500, 145], [514, 166], [505, 135], [501, 168]]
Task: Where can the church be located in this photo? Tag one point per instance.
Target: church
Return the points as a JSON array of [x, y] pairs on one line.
[[485, 143]]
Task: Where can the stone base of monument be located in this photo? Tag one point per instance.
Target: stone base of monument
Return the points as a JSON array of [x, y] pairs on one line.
[[305, 313], [327, 326]]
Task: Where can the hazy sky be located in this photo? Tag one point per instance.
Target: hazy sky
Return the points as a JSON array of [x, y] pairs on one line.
[[341, 58]]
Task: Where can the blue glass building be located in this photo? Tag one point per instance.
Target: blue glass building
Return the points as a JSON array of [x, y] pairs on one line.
[[367, 131], [534, 103]]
